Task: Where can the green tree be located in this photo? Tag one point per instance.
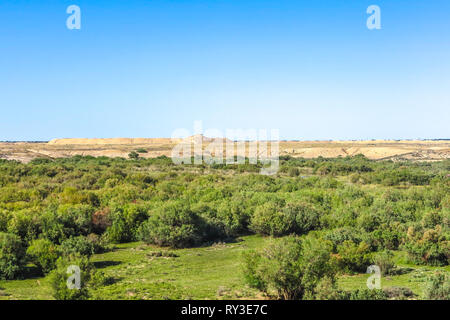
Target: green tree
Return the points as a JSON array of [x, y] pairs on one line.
[[133, 155], [352, 257], [64, 280], [77, 246], [174, 225], [12, 256], [43, 253], [438, 287], [289, 267]]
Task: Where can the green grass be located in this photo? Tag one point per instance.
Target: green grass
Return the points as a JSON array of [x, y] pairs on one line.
[[212, 272], [411, 276]]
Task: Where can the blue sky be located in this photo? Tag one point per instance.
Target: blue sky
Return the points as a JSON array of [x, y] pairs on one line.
[[311, 69]]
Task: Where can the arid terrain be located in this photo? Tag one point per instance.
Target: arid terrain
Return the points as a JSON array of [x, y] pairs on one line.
[[420, 150]]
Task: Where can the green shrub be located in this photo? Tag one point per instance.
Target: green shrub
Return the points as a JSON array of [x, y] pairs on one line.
[[67, 221], [438, 287], [398, 293], [326, 289], [77, 246], [367, 294], [339, 235], [294, 172], [307, 217], [43, 253], [125, 223], [385, 261], [99, 243], [252, 263], [353, 257], [431, 220], [429, 246], [384, 239], [289, 268], [25, 224], [215, 228], [4, 218], [233, 215], [119, 231], [12, 256], [369, 221], [173, 225], [60, 277], [268, 219], [294, 217], [133, 155]]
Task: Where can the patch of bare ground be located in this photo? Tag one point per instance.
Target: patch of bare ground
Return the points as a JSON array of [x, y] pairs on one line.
[[414, 150]]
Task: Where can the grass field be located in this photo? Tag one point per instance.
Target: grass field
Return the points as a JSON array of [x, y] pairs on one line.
[[214, 272]]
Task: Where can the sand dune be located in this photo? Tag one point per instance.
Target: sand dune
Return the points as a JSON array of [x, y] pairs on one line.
[[120, 147], [106, 141]]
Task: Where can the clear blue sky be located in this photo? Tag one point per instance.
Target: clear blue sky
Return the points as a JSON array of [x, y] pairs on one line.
[[311, 69]]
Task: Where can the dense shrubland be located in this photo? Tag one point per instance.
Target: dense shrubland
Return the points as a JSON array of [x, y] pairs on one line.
[[358, 210], [291, 268]]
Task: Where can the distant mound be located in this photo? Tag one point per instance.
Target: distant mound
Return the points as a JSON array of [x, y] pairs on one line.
[[414, 150], [199, 138], [107, 141]]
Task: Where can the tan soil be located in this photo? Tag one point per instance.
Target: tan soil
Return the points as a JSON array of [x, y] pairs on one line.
[[121, 147]]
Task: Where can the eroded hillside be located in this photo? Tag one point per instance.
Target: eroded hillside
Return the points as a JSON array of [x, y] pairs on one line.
[[120, 147]]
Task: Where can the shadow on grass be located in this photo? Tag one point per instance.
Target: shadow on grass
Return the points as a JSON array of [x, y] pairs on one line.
[[402, 270], [112, 280], [230, 240], [104, 264], [31, 272]]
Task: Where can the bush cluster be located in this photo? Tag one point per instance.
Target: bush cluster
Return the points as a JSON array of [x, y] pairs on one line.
[[81, 205]]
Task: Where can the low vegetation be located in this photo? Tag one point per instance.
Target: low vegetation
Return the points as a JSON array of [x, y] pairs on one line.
[[325, 221]]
